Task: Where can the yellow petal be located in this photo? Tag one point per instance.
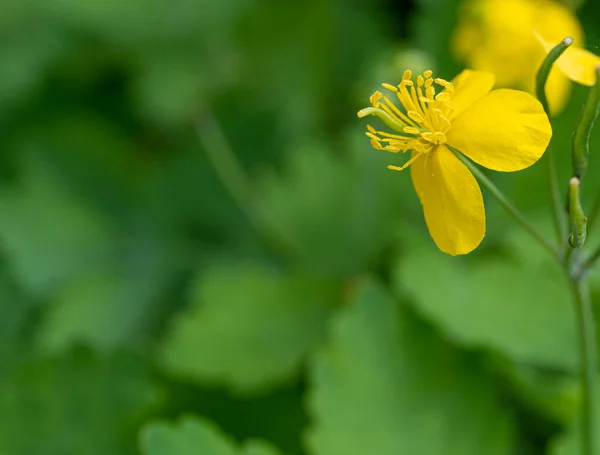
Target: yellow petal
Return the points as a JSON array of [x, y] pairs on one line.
[[558, 91], [578, 64], [451, 200], [469, 86], [507, 130]]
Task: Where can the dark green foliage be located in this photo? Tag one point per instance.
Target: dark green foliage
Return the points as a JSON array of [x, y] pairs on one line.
[[143, 312]]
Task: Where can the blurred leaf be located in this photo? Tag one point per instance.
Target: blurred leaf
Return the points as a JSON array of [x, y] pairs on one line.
[[195, 436], [75, 404], [521, 308], [105, 310], [136, 22], [387, 384], [169, 90], [48, 233], [551, 396], [570, 442], [249, 327], [14, 309], [25, 58], [321, 197]]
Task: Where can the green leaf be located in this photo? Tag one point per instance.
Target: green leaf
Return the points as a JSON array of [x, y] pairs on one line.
[[249, 327], [14, 310], [195, 436], [321, 197], [74, 404], [387, 384], [48, 232], [105, 310], [519, 307]]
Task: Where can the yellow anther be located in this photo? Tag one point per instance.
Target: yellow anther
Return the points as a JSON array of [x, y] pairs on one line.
[[410, 130], [428, 83], [375, 98], [444, 83], [371, 129], [443, 119], [405, 165], [442, 97], [372, 136], [420, 80], [430, 92], [407, 75], [441, 137], [415, 116], [376, 145], [391, 87], [428, 73], [429, 137]]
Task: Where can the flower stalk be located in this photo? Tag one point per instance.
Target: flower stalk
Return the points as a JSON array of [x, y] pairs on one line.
[[578, 218], [541, 79], [588, 354], [580, 288], [580, 141], [503, 200]]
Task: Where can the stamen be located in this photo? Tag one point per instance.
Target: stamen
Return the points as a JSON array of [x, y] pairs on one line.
[[441, 137], [422, 119], [375, 98], [443, 97], [376, 145], [429, 137], [444, 83], [405, 165], [410, 130], [415, 116]]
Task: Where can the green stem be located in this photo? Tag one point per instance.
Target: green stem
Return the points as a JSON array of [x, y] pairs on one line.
[[234, 178], [541, 79], [588, 364], [510, 208], [224, 162], [546, 67], [558, 209], [578, 218], [580, 148], [594, 212]]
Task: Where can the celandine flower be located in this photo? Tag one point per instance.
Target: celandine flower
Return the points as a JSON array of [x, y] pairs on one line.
[[504, 130], [496, 36]]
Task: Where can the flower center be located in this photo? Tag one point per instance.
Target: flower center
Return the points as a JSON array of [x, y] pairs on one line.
[[422, 121]]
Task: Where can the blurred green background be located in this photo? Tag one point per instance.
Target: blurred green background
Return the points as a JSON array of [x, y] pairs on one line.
[[293, 304]]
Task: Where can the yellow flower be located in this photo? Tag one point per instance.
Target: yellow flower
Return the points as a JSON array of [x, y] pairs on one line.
[[503, 130], [497, 36]]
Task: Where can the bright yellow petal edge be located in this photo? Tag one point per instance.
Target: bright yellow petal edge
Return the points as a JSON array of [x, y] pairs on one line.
[[506, 130], [452, 201], [502, 129], [578, 64]]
